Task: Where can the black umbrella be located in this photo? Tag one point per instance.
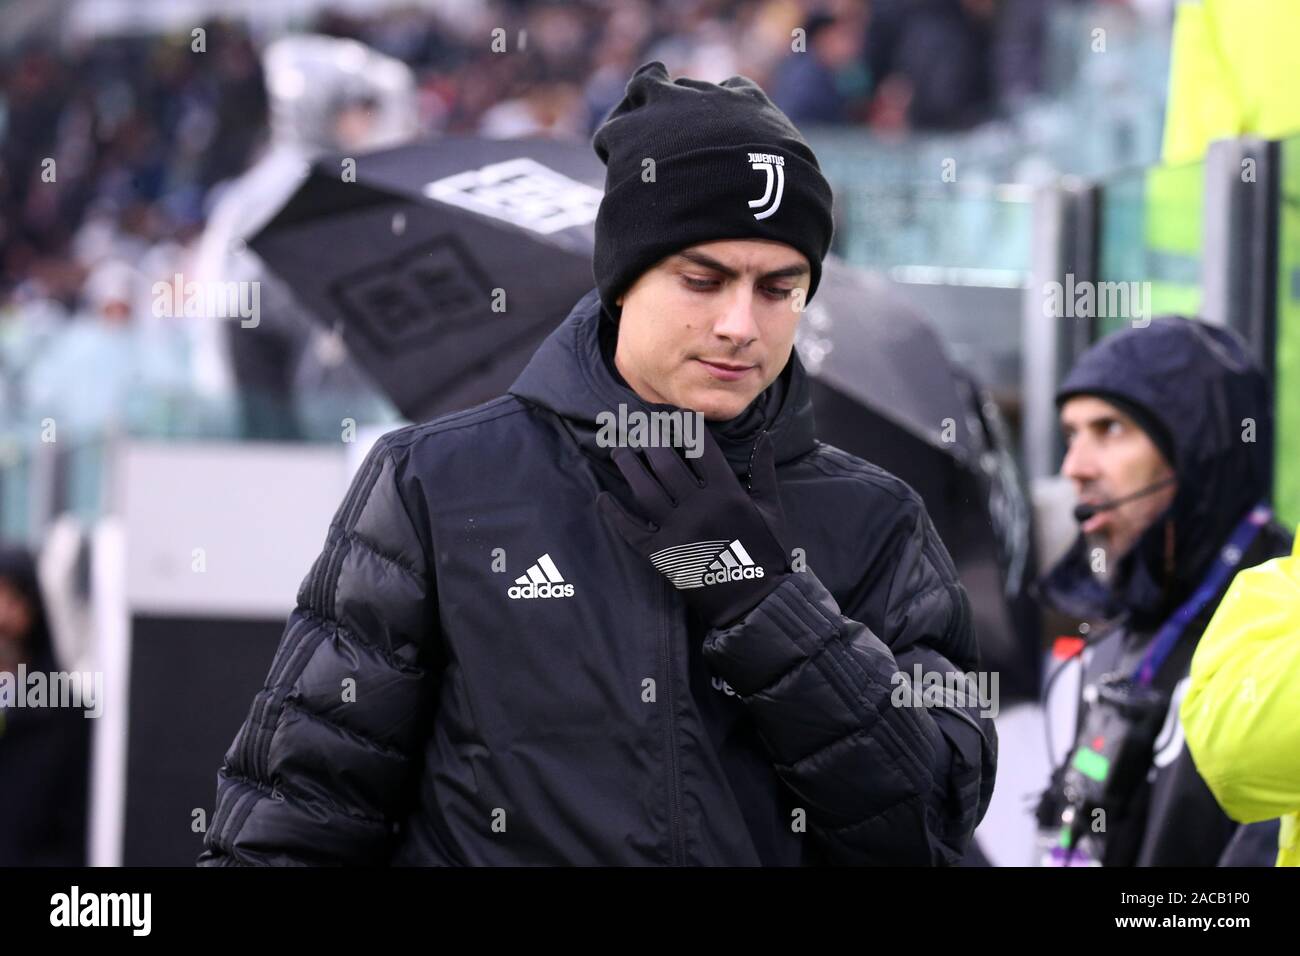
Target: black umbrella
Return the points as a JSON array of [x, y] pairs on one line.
[[443, 264], [859, 337], [884, 390]]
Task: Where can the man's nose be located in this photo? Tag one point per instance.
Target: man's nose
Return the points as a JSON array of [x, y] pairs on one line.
[[737, 322], [1080, 462]]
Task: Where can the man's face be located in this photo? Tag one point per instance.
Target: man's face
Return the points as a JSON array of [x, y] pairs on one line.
[[1109, 456], [710, 327]]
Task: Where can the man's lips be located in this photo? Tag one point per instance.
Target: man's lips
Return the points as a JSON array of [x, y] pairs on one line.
[[726, 371], [1098, 520], [1095, 523]]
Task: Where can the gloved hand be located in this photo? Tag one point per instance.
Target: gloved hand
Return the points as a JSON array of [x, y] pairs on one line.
[[722, 548]]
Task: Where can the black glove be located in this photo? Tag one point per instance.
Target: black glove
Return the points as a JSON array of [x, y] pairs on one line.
[[718, 545]]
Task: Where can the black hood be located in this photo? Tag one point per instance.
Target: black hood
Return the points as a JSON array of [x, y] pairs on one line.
[[572, 374], [1200, 383]]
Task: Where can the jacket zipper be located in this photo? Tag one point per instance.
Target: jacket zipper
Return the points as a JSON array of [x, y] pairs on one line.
[[677, 848], [749, 470]]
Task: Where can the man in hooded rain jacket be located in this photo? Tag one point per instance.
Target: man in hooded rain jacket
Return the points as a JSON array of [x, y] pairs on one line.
[[1169, 434]]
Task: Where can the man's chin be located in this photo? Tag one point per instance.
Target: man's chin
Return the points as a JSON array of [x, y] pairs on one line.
[[720, 408], [715, 404], [1105, 551]]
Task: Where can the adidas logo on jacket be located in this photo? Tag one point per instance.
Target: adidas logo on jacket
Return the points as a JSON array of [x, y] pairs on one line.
[[542, 580]]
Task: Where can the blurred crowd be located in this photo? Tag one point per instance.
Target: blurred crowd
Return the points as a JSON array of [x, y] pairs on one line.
[[140, 129]]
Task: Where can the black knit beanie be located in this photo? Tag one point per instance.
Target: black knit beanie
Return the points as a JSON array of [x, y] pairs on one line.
[[728, 164]]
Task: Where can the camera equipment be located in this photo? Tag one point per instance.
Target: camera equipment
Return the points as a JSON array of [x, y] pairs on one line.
[[1111, 755]]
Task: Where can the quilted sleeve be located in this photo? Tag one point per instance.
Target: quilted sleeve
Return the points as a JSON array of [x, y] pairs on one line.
[[323, 769]]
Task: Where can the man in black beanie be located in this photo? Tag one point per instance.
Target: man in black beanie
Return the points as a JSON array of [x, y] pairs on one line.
[[707, 187], [633, 612], [688, 162]]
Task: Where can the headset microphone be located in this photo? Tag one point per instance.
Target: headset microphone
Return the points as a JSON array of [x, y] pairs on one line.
[[1083, 512]]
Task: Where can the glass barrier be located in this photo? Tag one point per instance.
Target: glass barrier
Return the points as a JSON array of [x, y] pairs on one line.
[[15, 487], [941, 231], [1150, 244], [58, 462]]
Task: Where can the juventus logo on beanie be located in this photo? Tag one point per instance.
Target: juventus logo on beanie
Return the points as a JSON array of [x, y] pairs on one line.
[[727, 164]]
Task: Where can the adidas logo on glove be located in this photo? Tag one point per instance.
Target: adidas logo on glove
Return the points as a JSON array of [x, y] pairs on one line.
[[706, 562], [733, 564], [542, 580]]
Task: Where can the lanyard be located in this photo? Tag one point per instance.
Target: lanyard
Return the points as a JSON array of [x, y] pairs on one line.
[[1228, 559]]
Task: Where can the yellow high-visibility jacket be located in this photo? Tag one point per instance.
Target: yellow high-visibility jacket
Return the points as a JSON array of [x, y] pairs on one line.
[[1232, 71], [1241, 713]]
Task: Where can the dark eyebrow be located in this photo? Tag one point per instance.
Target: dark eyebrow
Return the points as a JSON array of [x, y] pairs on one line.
[[709, 262], [1099, 421]]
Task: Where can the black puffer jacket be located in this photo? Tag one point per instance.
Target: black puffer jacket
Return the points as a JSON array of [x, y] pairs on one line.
[[418, 713]]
